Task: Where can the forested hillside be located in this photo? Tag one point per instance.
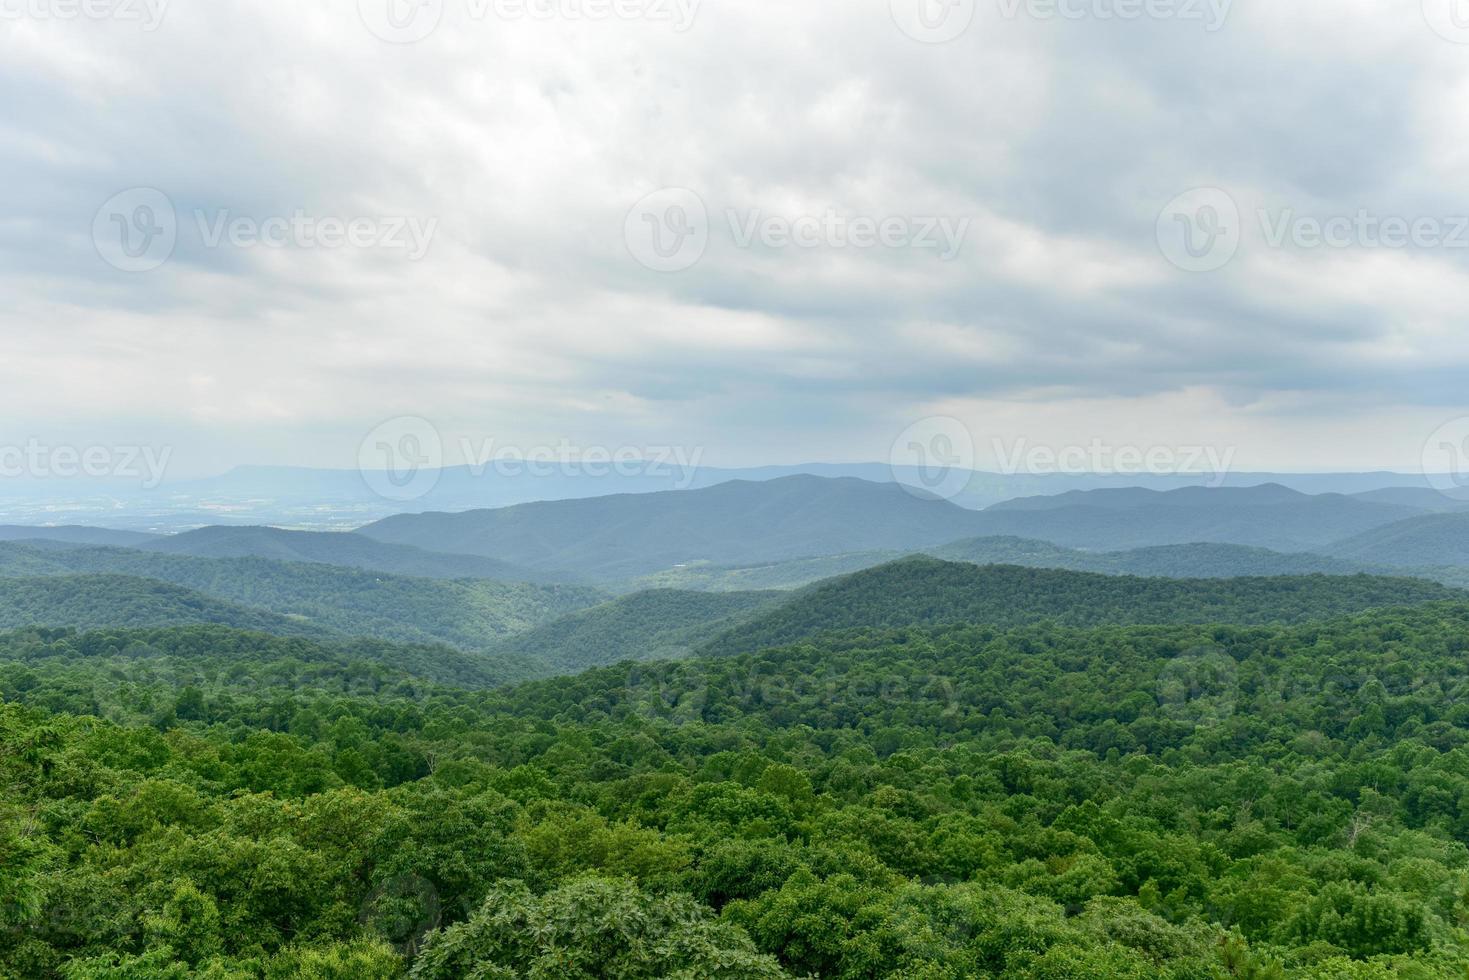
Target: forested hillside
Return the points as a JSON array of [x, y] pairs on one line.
[[471, 614], [74, 534], [1268, 516], [334, 548], [660, 624], [92, 601], [630, 535], [925, 591], [1181, 801], [1198, 560], [1434, 539]]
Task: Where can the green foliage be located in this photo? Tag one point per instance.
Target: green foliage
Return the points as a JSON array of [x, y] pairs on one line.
[[590, 928], [655, 625], [283, 597], [1180, 801], [923, 591], [94, 601]]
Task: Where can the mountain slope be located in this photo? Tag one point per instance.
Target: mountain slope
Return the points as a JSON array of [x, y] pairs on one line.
[[1430, 539], [1193, 560], [469, 614], [332, 548], [660, 624], [1268, 516], [741, 523], [1197, 560], [75, 534], [738, 522], [98, 601], [924, 591]]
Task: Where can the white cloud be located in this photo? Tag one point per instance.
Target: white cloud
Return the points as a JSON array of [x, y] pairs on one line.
[[528, 142]]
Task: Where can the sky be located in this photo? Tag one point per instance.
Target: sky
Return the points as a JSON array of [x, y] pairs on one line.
[[771, 232]]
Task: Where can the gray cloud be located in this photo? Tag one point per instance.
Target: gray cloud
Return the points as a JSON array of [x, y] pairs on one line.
[[528, 142]]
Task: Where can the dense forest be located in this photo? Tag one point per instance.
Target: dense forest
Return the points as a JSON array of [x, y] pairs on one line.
[[470, 613], [1045, 801], [924, 591]]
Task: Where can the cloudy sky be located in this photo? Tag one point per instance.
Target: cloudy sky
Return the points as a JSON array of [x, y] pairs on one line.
[[779, 231]]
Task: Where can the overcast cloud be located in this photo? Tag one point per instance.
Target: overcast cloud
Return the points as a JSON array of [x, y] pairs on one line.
[[880, 228]]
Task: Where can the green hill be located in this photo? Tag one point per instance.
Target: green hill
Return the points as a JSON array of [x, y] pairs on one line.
[[924, 591], [333, 548], [1198, 560], [1428, 540], [1194, 560], [470, 614], [629, 535], [75, 534], [659, 624], [95, 601]]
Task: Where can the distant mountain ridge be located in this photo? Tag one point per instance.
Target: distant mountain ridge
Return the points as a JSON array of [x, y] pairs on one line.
[[635, 534], [804, 517], [1426, 539], [74, 534], [332, 548], [469, 614]]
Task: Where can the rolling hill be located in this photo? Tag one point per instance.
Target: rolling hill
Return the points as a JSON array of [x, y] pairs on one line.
[[123, 601], [75, 534], [924, 591], [470, 614], [748, 524], [1198, 560], [1267, 516], [1429, 539], [629, 535], [659, 624], [332, 548], [1193, 560]]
